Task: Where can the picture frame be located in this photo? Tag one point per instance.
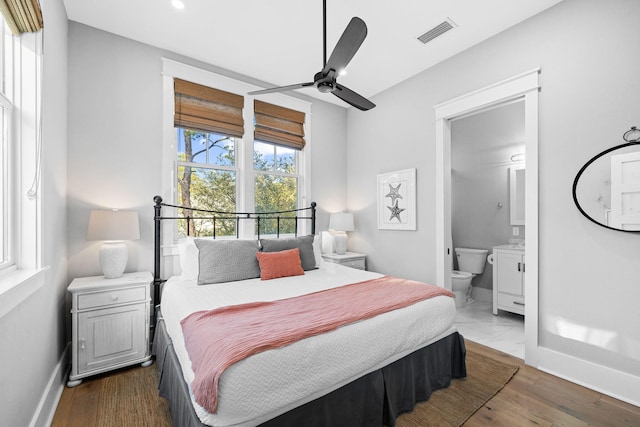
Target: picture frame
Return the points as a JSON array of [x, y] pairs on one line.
[[397, 200]]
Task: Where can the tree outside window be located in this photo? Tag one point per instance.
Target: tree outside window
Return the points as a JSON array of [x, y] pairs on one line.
[[276, 184], [207, 179]]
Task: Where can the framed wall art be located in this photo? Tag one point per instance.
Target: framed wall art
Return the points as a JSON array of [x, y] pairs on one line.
[[397, 200]]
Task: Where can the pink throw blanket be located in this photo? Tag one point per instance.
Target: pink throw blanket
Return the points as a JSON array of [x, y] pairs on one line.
[[216, 339]]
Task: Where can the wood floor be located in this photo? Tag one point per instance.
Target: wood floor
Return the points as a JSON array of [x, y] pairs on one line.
[[531, 398], [535, 398]]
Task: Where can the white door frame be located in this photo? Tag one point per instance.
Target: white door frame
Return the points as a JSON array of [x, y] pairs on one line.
[[523, 86]]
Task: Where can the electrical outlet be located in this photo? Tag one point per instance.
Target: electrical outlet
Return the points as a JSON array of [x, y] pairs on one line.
[[516, 231]]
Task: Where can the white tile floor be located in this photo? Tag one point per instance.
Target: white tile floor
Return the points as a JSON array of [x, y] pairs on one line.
[[504, 332]]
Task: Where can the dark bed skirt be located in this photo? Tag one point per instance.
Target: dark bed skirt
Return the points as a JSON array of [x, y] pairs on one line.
[[376, 399]]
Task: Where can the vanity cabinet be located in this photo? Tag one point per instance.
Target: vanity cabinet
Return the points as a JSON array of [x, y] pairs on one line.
[[508, 278]]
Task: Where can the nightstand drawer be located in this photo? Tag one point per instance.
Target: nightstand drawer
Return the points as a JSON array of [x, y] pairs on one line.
[[115, 296], [355, 263]]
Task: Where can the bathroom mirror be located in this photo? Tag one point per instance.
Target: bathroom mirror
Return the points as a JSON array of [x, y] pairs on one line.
[[516, 195], [606, 190]]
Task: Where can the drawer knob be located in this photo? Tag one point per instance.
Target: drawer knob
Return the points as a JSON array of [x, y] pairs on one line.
[[114, 297]]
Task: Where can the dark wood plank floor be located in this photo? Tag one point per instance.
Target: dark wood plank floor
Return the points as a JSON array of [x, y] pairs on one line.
[[532, 397]]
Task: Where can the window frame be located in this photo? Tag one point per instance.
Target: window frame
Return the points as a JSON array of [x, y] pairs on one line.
[[245, 177], [7, 184]]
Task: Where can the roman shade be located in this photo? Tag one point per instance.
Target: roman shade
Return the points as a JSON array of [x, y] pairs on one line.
[[207, 109], [22, 16], [279, 125]]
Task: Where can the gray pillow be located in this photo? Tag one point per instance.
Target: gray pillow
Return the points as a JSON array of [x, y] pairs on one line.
[[303, 243], [226, 260]]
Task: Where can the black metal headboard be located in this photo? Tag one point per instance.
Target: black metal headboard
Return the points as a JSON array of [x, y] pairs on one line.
[[294, 215]]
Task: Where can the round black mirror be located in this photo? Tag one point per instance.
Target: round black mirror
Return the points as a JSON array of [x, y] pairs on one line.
[[606, 190]]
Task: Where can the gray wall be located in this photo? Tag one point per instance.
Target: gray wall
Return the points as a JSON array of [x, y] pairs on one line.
[[114, 155], [588, 275], [481, 150], [33, 334]]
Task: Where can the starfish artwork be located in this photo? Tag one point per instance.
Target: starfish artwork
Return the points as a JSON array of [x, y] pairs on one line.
[[395, 211], [394, 193]]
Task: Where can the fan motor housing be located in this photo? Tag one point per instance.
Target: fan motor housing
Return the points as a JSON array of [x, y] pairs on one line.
[[325, 82], [325, 87]]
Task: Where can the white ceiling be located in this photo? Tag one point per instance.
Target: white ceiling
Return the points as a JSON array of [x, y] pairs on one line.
[[280, 41]]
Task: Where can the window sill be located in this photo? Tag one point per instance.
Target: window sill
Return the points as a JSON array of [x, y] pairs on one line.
[[17, 286]]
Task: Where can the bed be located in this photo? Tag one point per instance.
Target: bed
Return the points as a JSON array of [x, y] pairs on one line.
[[365, 372]]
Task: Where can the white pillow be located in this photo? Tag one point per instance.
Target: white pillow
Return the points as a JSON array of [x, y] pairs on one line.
[[188, 258], [317, 250]]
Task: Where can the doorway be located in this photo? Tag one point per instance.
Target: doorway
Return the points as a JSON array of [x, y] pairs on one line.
[[487, 154], [523, 86]]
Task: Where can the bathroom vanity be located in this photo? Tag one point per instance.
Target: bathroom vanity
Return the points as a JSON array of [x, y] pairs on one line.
[[508, 278]]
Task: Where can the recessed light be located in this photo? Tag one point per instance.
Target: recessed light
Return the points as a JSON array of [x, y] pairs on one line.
[[178, 4]]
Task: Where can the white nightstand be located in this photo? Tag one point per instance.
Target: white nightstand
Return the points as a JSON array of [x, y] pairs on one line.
[[110, 323], [348, 259]]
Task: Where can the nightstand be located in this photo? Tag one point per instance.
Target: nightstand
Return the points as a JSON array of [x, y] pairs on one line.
[[348, 259], [110, 324]]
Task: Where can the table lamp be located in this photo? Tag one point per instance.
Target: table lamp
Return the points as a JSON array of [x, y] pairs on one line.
[[341, 223], [113, 226]]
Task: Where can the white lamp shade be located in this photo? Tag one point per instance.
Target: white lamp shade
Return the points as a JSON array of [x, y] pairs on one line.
[[113, 225], [342, 221]]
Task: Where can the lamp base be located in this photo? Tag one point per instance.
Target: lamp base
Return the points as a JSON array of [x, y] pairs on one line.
[[340, 242], [113, 259]]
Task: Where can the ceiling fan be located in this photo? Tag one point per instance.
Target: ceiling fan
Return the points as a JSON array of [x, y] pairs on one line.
[[326, 79]]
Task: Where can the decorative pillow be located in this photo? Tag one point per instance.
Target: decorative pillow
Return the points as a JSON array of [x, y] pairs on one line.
[[279, 264], [226, 260], [303, 243], [188, 252]]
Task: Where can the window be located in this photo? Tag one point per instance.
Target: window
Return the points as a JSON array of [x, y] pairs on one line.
[[206, 172], [229, 152], [275, 183], [278, 138]]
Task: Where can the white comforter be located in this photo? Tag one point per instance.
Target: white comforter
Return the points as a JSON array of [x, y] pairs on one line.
[[272, 382]]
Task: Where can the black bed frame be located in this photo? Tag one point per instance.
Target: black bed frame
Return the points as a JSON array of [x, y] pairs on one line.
[[295, 215], [375, 399]]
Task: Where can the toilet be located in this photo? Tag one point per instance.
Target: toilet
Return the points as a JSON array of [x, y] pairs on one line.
[[470, 263]]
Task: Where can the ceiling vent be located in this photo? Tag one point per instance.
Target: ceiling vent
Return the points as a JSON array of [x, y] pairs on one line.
[[437, 31]]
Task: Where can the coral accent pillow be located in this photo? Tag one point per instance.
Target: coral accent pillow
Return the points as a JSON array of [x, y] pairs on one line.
[[280, 264]]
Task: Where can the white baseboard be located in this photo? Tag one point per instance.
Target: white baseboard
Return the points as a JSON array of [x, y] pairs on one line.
[[617, 384], [43, 416]]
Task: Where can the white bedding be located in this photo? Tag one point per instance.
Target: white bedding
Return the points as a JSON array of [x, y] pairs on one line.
[[273, 382]]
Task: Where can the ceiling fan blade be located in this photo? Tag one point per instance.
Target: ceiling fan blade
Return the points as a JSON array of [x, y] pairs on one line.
[[281, 88], [347, 46], [350, 97]]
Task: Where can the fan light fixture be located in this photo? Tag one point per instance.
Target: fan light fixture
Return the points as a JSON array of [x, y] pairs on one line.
[[326, 79], [178, 4]]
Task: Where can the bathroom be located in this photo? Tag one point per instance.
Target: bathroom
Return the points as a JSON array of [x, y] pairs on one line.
[[487, 154]]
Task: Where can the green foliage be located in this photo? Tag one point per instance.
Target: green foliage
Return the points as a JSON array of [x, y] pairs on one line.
[[274, 192]]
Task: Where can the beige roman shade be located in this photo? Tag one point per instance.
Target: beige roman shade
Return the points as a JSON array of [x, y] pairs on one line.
[[207, 109], [279, 125], [22, 16]]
